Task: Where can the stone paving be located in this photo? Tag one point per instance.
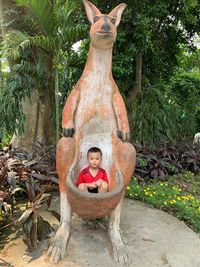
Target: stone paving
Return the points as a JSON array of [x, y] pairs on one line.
[[153, 238]]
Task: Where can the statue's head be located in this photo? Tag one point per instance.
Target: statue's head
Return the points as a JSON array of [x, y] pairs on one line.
[[103, 29]]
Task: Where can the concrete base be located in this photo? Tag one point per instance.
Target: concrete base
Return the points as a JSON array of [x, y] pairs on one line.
[[153, 238]]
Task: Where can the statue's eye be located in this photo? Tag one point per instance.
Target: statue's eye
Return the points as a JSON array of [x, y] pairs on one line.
[[113, 20], [96, 19]]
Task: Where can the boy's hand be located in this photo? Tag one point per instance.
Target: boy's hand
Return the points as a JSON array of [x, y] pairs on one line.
[[98, 182], [95, 184], [92, 185]]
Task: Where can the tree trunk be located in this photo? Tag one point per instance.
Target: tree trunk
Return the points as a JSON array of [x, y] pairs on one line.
[[37, 119], [39, 125], [1, 39], [48, 124], [57, 106], [138, 78], [137, 91]]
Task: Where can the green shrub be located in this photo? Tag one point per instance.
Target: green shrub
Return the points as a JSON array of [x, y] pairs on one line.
[[169, 197]]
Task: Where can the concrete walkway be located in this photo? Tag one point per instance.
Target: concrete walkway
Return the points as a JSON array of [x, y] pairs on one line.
[[153, 238]]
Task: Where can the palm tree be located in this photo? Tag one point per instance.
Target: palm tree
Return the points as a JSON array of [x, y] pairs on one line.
[[50, 34]]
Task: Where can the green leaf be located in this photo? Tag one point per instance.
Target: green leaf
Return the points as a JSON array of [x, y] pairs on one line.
[[55, 214], [42, 13], [18, 189], [25, 216], [43, 228], [43, 202]]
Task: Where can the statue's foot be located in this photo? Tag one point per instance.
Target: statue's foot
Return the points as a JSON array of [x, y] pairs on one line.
[[120, 252], [58, 245], [121, 255]]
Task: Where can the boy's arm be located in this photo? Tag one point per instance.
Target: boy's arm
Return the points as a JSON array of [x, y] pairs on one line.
[[80, 179], [91, 185], [105, 177]]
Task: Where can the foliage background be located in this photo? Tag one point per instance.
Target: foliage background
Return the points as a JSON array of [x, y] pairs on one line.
[[164, 32]]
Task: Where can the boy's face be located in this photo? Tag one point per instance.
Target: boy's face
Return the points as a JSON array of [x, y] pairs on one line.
[[94, 159]]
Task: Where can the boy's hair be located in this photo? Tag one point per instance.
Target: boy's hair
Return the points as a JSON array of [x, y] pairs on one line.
[[94, 150]]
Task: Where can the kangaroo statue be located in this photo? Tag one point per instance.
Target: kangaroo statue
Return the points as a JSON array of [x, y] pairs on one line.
[[95, 115]]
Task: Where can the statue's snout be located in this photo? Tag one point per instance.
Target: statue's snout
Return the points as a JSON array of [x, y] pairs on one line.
[[105, 27]]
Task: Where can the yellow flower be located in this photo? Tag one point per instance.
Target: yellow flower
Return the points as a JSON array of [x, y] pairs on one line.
[[146, 193], [137, 186], [178, 198], [179, 190], [161, 184], [147, 188], [190, 196], [151, 195], [163, 194], [165, 202], [128, 187], [154, 193]]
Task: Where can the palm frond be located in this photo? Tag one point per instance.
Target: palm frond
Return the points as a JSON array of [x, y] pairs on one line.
[[74, 61], [72, 35], [12, 42], [65, 14], [42, 13], [44, 42], [34, 71], [16, 40]]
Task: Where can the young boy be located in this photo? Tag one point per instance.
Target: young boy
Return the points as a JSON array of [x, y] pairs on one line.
[[93, 178]]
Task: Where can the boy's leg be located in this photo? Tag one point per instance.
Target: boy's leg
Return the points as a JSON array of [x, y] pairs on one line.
[[103, 187], [82, 187]]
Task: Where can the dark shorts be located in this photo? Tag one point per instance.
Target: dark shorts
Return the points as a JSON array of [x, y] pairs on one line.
[[93, 190]]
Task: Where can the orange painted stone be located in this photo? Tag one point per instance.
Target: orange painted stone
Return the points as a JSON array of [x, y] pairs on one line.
[[95, 115]]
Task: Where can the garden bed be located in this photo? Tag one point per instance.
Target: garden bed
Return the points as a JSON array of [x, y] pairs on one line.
[[178, 195]]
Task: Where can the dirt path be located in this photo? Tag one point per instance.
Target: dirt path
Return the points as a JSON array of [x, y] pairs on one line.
[[153, 238]]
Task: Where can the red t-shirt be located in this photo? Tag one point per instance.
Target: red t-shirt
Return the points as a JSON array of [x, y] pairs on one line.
[[86, 177]]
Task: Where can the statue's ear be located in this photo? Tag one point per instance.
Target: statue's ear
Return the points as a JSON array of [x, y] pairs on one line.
[[116, 13], [91, 11]]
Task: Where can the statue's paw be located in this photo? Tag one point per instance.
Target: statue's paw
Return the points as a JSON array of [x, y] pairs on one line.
[[68, 132], [58, 245], [124, 136], [121, 255]]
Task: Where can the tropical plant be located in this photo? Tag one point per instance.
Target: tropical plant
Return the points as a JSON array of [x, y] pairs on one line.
[[17, 169], [35, 228], [190, 159], [166, 159], [51, 34]]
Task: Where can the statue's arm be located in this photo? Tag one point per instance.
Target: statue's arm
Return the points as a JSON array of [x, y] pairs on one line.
[[121, 116], [69, 111]]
